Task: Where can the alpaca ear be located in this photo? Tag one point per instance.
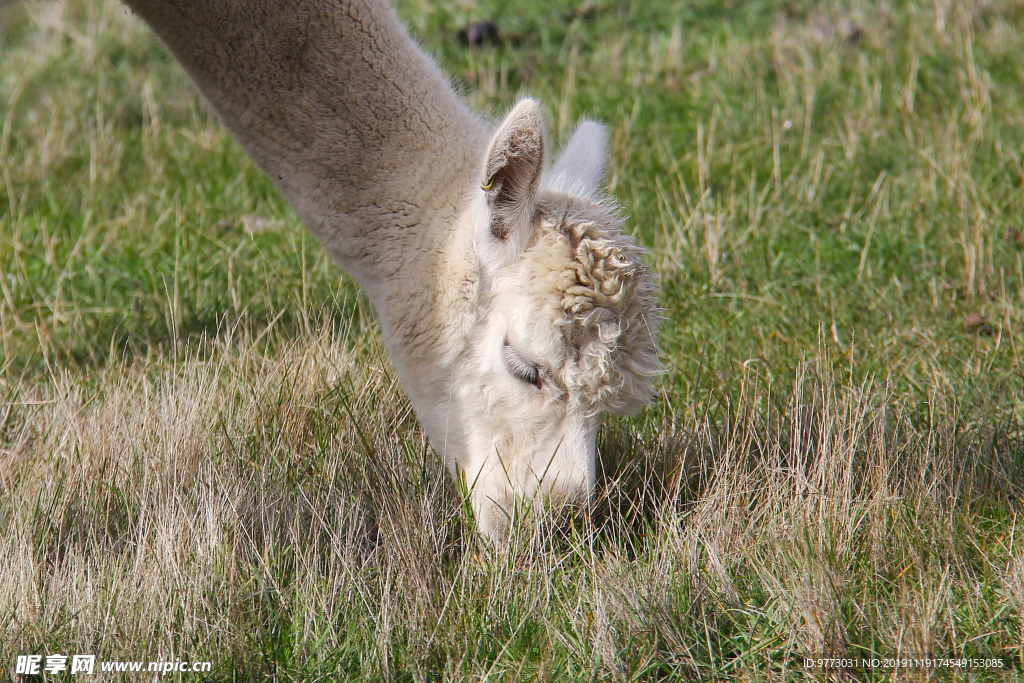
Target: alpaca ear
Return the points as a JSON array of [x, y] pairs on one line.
[[581, 164], [509, 181]]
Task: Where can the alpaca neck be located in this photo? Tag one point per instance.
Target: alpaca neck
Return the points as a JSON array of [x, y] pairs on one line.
[[357, 127]]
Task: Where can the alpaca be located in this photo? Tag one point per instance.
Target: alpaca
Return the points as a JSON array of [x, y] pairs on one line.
[[515, 310]]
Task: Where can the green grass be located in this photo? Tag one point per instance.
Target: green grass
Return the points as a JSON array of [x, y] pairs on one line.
[[205, 453]]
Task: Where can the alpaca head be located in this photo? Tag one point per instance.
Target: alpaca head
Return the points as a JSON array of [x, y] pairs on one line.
[[564, 329]]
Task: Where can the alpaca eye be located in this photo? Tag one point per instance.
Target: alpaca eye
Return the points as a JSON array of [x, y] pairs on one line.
[[521, 368]]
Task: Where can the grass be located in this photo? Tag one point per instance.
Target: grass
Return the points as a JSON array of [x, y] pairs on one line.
[[205, 453]]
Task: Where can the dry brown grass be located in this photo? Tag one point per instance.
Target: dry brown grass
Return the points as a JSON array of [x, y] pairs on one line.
[[246, 507]]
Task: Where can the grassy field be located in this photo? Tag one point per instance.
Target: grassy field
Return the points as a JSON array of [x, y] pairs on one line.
[[205, 453]]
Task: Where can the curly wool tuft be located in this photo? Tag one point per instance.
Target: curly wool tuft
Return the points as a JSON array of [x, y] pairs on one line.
[[611, 314]]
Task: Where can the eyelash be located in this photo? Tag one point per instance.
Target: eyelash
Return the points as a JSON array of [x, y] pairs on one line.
[[526, 371]]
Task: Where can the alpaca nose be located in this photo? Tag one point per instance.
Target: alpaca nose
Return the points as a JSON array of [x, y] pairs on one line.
[[568, 472]]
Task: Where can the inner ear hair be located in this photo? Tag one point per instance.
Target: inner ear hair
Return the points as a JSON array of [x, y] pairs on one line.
[[513, 166]]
